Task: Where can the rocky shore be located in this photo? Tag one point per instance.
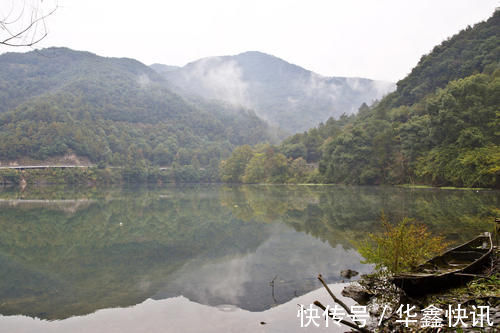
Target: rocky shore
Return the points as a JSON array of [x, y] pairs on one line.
[[472, 305]]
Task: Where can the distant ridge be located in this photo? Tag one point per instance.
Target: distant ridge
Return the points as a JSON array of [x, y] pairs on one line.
[[284, 94]]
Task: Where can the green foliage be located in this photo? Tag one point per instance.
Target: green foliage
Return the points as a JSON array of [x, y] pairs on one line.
[[298, 171], [115, 112], [9, 176], [255, 171], [401, 247], [473, 50], [232, 169], [138, 173], [440, 127], [308, 144], [72, 176], [478, 167], [447, 139], [262, 164]]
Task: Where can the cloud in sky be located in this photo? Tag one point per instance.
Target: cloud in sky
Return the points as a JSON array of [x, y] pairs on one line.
[[374, 39]]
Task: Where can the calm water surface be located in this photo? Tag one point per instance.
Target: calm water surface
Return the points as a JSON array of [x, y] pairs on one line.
[[66, 252]]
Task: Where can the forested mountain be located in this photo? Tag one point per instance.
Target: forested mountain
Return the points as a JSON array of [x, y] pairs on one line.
[[473, 50], [112, 111], [441, 125], [285, 95]]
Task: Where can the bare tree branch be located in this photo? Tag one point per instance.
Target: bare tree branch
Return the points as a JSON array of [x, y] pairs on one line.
[[342, 304], [338, 301], [26, 29]]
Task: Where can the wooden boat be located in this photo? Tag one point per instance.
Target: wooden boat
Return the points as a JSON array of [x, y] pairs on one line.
[[451, 268]]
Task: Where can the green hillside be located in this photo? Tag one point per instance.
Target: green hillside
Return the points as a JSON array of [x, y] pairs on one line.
[[473, 50], [112, 111], [440, 127]]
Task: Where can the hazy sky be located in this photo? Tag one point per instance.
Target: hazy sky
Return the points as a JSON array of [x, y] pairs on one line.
[[373, 39]]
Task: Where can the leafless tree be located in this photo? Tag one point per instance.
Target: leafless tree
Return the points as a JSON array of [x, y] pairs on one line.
[[23, 22]]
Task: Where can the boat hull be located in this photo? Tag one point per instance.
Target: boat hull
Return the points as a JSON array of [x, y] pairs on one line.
[[471, 261]]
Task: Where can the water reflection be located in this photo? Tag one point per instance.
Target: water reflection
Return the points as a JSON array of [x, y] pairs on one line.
[[67, 251], [289, 258]]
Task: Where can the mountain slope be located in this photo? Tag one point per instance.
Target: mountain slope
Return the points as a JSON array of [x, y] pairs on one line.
[[284, 94], [440, 127], [472, 51], [113, 111]]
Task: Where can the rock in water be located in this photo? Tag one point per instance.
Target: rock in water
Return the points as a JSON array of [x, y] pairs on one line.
[[348, 273], [357, 293]]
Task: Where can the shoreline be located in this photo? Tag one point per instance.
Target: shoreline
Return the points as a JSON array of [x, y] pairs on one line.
[[116, 175]]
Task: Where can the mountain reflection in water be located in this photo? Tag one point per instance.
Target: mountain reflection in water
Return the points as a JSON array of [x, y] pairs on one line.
[[67, 252]]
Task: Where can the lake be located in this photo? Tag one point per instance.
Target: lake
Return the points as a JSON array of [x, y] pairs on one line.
[[68, 251]]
